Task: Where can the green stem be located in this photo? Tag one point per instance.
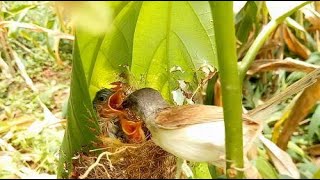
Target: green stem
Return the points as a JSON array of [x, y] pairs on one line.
[[255, 47], [222, 14]]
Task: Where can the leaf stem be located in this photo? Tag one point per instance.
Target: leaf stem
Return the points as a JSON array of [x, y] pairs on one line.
[[257, 44]]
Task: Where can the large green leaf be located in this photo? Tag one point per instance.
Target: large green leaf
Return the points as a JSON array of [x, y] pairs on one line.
[[102, 53], [95, 64], [116, 49], [170, 34], [80, 116], [90, 43]]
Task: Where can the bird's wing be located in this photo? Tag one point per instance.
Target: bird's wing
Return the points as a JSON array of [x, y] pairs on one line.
[[180, 116]]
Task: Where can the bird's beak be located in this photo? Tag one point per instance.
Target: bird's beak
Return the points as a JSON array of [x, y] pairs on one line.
[[113, 108], [112, 105], [133, 130], [116, 99]]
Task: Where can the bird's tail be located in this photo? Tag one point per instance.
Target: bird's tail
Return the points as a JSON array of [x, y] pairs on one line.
[[269, 107]]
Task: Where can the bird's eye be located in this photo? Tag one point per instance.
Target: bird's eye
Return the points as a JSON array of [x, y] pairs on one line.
[[101, 98]]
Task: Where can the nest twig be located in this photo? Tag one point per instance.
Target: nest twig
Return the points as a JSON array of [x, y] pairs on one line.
[[121, 160]]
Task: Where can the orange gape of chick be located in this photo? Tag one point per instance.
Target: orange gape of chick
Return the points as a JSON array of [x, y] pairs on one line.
[[131, 125]]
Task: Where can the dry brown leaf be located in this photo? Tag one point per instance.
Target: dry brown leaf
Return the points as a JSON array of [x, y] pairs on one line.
[[294, 45], [313, 17], [267, 51], [281, 160], [273, 48], [300, 110], [314, 150], [287, 64], [316, 161], [217, 94]]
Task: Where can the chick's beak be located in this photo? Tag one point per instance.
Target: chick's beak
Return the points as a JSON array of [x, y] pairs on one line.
[[110, 107], [133, 130], [114, 106], [116, 99]]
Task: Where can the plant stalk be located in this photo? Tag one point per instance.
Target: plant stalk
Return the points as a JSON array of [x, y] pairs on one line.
[[255, 47], [223, 20]]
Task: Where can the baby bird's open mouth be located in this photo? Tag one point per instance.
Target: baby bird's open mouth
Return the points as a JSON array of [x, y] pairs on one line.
[[110, 108]]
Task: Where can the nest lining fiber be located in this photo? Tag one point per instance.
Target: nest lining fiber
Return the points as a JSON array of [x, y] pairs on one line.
[[119, 160]]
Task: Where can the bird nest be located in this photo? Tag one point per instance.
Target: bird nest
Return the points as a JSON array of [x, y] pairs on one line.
[[121, 160], [124, 152]]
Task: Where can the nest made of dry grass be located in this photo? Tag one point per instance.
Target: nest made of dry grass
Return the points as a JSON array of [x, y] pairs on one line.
[[119, 160], [117, 156]]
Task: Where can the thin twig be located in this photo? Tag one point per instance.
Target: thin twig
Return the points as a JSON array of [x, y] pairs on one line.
[[85, 175], [97, 162]]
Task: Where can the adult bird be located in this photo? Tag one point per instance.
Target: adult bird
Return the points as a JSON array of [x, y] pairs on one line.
[[196, 132]]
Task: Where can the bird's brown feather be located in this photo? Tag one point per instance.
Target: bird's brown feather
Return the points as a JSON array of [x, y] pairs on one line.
[[179, 116]]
